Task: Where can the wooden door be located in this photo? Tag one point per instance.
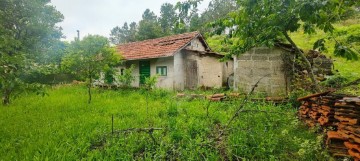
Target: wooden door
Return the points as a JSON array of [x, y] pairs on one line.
[[144, 71], [191, 80]]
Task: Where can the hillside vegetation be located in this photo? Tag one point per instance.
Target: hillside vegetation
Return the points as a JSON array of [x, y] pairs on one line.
[[344, 32], [345, 70], [62, 126]]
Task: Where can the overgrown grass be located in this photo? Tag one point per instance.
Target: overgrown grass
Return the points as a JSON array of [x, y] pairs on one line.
[[62, 126]]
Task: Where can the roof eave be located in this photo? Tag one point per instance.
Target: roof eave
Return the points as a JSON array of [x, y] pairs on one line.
[[163, 56]]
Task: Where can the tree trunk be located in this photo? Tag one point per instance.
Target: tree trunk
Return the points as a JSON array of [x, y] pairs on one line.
[[307, 62], [89, 90], [6, 97]]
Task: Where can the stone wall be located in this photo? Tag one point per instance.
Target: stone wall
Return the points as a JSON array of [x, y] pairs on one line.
[[260, 63]]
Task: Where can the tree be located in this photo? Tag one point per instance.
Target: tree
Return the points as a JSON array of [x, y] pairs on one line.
[[149, 27], [195, 23], [168, 18], [126, 77], [187, 16], [124, 34], [116, 35], [89, 57], [218, 9], [187, 9], [132, 32], [264, 22], [27, 27]]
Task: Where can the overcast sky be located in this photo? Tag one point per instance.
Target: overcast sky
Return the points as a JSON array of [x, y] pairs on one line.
[[99, 17]]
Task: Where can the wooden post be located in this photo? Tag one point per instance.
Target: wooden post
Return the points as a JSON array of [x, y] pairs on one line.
[[112, 124]]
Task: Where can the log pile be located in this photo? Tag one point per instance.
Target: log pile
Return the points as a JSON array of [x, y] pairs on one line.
[[339, 112], [214, 97]]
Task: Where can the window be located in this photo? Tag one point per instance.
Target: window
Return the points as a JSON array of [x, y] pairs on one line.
[[161, 70], [122, 71]]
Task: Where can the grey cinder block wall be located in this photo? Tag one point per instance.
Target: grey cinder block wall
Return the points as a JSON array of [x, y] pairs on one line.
[[265, 63]]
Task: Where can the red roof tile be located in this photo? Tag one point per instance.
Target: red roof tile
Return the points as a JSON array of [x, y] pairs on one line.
[[154, 48]]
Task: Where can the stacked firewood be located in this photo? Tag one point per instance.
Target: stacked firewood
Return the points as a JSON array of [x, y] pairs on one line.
[[214, 97], [341, 113], [347, 111], [316, 109]]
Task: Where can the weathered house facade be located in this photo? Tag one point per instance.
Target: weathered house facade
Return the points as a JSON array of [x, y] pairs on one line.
[[181, 62]]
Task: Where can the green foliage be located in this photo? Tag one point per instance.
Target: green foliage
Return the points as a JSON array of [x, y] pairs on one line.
[[345, 52], [295, 94], [149, 27], [343, 31], [28, 31], [89, 57], [61, 123], [125, 34], [150, 82], [168, 18], [172, 111], [187, 9], [109, 76], [127, 77], [320, 45], [217, 9], [265, 22], [174, 19], [335, 81]]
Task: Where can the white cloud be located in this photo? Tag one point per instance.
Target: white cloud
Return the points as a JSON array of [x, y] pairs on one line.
[[99, 17]]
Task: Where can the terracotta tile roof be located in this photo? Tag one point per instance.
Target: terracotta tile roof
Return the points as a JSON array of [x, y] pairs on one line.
[[154, 48]]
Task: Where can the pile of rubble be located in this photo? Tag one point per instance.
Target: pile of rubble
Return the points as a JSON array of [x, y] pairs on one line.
[[340, 113]]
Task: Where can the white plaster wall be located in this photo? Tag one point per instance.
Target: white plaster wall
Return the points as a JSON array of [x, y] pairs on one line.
[[117, 73], [163, 81], [196, 45], [228, 69], [210, 71], [179, 71]]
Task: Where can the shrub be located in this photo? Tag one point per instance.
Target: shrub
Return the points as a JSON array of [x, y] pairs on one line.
[[150, 82], [335, 81], [127, 78]]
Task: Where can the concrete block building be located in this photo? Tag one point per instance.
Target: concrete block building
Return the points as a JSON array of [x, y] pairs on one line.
[[266, 64]]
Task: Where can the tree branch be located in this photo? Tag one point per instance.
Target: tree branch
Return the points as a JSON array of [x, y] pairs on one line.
[[307, 62], [138, 130], [240, 108]]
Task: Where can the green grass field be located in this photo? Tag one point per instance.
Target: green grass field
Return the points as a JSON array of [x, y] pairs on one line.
[[62, 126]]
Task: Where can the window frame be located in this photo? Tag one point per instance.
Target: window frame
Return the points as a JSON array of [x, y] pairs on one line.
[[161, 71]]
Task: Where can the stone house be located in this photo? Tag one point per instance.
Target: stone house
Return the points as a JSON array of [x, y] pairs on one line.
[[182, 61]]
